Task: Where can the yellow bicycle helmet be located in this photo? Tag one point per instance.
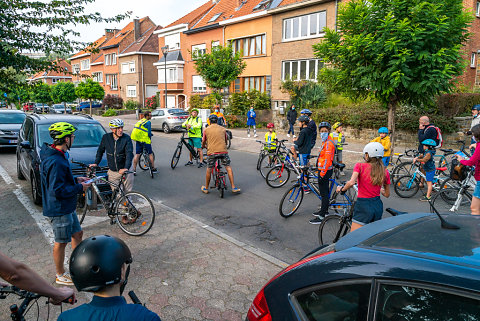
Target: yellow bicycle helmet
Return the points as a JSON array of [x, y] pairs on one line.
[[336, 125], [61, 129]]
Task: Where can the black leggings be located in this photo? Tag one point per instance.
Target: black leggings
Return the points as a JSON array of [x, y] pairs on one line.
[[323, 187]]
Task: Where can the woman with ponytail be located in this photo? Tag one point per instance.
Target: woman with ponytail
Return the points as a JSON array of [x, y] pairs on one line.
[[373, 178]]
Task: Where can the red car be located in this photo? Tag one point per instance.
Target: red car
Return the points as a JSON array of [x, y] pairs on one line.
[[28, 107]]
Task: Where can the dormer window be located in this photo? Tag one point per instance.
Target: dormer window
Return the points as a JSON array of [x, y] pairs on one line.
[[215, 17], [264, 4]]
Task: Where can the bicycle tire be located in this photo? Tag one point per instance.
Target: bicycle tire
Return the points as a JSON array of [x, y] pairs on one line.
[[221, 188], [83, 208], [444, 206], [295, 189], [259, 160], [278, 176], [176, 157], [94, 209], [229, 142], [341, 203], [138, 211], [406, 186], [268, 162], [332, 229], [404, 168], [144, 161]]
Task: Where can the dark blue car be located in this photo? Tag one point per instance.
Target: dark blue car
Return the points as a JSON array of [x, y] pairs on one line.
[[398, 269], [34, 133], [86, 104]]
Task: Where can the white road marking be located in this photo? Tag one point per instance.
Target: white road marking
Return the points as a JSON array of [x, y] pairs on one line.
[[5, 176], [92, 220]]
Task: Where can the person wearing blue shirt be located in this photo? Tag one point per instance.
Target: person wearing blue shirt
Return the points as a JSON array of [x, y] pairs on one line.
[[101, 264], [251, 115]]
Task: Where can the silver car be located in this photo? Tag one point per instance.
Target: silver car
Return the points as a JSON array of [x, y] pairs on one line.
[[167, 119], [10, 123], [41, 108], [59, 109]]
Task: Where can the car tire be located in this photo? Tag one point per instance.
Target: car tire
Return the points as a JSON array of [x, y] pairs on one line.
[[166, 128], [19, 171], [37, 197]]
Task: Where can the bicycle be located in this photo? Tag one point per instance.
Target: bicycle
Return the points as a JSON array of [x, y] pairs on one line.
[[219, 176], [279, 175], [187, 141], [133, 211], [270, 158], [17, 313], [292, 199], [144, 161]]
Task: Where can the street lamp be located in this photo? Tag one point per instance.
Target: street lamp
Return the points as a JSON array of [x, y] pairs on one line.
[[165, 52]]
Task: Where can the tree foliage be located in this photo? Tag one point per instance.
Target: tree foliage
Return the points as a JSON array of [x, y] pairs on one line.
[[399, 51], [219, 67], [41, 26], [90, 90], [41, 93], [63, 92], [305, 93]]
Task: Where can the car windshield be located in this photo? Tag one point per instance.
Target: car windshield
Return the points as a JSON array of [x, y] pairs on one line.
[[86, 135], [58, 106], [11, 118], [177, 112]]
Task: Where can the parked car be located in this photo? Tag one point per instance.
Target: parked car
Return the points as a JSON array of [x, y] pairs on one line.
[[10, 124], [41, 108], [86, 104], [3, 104], [59, 109], [401, 268], [28, 107], [167, 118], [34, 133]]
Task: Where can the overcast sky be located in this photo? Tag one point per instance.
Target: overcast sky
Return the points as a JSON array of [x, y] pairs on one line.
[[162, 12]]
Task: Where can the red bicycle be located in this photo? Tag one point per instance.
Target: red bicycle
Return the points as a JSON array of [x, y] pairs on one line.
[[219, 175]]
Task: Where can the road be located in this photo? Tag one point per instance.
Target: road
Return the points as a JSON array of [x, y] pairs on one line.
[[251, 216]]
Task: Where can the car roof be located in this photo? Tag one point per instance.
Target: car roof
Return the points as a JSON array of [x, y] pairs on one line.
[[48, 119], [421, 235], [12, 111]]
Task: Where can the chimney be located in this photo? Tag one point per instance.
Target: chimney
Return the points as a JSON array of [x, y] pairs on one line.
[[136, 29]]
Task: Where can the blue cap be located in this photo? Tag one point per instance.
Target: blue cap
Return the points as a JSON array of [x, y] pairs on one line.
[[429, 142], [476, 107]]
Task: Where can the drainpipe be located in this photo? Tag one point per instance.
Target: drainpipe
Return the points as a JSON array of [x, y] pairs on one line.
[[336, 14], [223, 41], [143, 85]]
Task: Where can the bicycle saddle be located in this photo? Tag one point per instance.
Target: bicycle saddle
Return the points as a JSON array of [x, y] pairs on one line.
[[441, 169], [447, 151], [339, 165]]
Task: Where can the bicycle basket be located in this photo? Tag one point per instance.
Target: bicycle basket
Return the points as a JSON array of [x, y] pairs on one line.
[[458, 172]]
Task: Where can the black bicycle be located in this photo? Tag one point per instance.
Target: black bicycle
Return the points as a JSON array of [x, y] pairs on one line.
[[133, 211], [144, 162], [219, 175], [29, 299], [187, 141]]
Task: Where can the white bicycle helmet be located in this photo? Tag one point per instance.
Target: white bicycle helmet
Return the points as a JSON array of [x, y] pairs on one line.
[[374, 150], [116, 123]]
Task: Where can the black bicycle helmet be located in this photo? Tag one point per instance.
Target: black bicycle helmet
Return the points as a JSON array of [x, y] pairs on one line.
[[476, 107], [213, 118], [306, 111], [304, 119], [325, 124], [97, 262]]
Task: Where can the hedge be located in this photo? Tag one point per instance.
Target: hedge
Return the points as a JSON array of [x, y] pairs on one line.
[[457, 104]]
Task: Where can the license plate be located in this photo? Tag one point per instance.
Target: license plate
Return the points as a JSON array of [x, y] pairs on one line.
[[14, 141]]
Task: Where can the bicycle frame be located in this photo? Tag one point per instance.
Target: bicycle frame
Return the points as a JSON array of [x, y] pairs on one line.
[[461, 191], [184, 140]]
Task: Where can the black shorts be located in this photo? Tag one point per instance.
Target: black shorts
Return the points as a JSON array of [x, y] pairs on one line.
[[223, 157]]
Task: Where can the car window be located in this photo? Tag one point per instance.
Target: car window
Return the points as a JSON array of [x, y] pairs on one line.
[[407, 303], [339, 302], [161, 113], [86, 135], [155, 113], [12, 118], [26, 133], [177, 112]]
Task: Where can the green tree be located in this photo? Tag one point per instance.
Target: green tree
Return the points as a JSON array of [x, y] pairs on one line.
[[63, 92], [41, 26], [90, 90], [305, 93], [399, 51], [41, 93], [219, 67]]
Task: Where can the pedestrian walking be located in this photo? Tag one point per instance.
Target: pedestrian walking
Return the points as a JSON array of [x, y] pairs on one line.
[[251, 116], [59, 194], [292, 119], [474, 161]]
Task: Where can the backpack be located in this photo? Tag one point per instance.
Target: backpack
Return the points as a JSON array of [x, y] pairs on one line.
[[439, 138]]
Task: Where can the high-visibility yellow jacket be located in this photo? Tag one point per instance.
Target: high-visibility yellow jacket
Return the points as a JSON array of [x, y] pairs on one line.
[[385, 143], [140, 132], [196, 126], [270, 139], [338, 139]]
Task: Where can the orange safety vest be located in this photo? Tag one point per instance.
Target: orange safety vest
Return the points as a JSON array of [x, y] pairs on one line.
[[325, 159]]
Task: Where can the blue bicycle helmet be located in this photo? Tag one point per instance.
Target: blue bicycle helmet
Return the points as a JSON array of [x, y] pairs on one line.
[[476, 107], [383, 130], [429, 142], [304, 119], [324, 124], [306, 112]]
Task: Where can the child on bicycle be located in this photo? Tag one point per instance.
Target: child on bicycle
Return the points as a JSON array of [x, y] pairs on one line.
[[384, 139], [373, 179], [339, 139], [271, 137], [429, 165]]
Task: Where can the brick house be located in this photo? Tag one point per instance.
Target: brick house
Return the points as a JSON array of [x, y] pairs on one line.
[[52, 77], [471, 76]]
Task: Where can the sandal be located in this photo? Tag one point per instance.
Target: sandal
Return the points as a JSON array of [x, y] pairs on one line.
[[236, 190], [204, 189]]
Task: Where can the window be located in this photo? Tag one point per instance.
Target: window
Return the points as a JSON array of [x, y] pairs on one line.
[[301, 69], [107, 79], [401, 302], [198, 84], [85, 64], [173, 41], [264, 4], [55, 80], [215, 44], [174, 75], [132, 91], [478, 9], [306, 26], [110, 59], [128, 67], [252, 46], [98, 76], [473, 60], [198, 50], [259, 83], [215, 17], [114, 58], [111, 80], [341, 302], [76, 69]]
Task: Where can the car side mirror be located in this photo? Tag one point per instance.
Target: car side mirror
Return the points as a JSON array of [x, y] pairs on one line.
[[26, 144]]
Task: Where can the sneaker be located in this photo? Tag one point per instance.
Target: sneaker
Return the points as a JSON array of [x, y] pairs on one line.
[[189, 163], [200, 165], [255, 135], [425, 199], [134, 173], [294, 136], [316, 220], [154, 170], [318, 214], [342, 173], [248, 135], [64, 279], [288, 135]]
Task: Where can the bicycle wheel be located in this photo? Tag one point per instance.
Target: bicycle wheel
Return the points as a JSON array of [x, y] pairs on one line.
[[291, 201], [229, 142], [267, 163], [404, 168], [221, 187], [332, 229], [93, 207], [144, 161], [342, 203], [278, 176], [406, 186], [81, 206], [259, 161], [135, 213], [443, 203], [176, 157]]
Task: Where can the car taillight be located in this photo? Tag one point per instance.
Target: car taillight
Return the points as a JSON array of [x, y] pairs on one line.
[[259, 309]]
